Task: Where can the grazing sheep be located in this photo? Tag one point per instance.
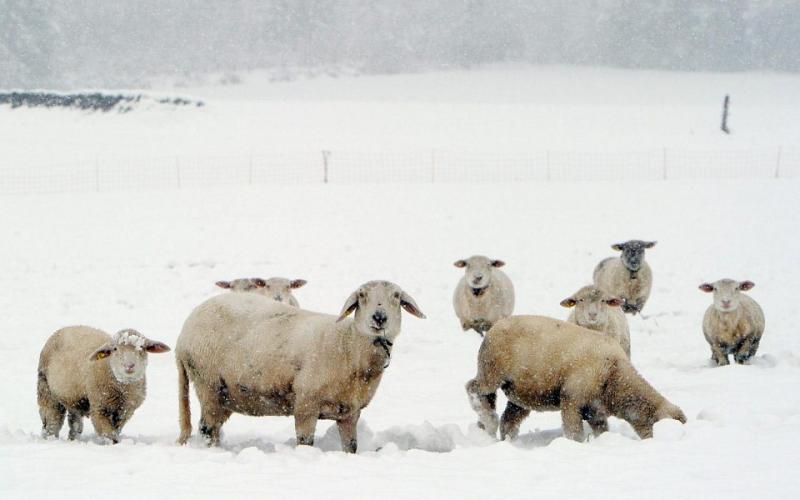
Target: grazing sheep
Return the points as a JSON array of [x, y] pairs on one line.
[[628, 277], [734, 323], [599, 311], [247, 354], [483, 295], [84, 371], [278, 289], [546, 364]]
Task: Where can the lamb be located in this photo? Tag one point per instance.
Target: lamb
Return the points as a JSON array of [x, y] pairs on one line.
[[279, 289], [734, 323], [308, 365], [599, 311], [86, 372], [628, 277], [545, 364], [483, 295]]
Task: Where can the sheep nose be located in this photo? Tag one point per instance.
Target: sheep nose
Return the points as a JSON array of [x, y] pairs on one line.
[[726, 303], [379, 318], [129, 367], [592, 315], [278, 298]]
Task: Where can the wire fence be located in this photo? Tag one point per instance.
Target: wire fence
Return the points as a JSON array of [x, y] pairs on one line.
[[346, 167]]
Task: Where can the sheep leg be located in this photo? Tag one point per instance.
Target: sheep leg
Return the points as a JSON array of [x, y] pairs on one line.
[[719, 355], [104, 426], [571, 421], [746, 350], [484, 405], [511, 420], [75, 422], [597, 419], [347, 432], [52, 415], [50, 411], [304, 426], [211, 420]]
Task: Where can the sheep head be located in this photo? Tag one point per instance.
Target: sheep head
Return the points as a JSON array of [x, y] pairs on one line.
[[591, 305], [478, 271], [127, 354], [376, 305], [727, 296], [633, 252]]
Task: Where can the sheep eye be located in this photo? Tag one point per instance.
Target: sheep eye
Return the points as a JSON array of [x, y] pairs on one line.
[[397, 295], [361, 295]]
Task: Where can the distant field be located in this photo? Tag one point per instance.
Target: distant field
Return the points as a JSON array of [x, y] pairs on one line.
[[499, 110]]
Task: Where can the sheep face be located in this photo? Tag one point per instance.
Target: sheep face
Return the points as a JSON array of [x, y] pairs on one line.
[[377, 309], [591, 305], [727, 296], [633, 252], [280, 289], [127, 355], [243, 284], [478, 271]]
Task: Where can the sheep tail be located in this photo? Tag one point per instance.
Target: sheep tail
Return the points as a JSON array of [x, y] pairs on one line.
[[184, 410]]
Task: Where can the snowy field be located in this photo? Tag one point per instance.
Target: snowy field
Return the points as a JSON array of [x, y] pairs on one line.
[[144, 259]]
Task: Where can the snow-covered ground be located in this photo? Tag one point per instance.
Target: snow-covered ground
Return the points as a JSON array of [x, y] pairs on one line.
[[144, 259]]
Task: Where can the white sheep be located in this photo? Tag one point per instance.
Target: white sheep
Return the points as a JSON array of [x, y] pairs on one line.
[[247, 354], [599, 311], [543, 364], [278, 289], [734, 323], [628, 276], [84, 371], [483, 295]]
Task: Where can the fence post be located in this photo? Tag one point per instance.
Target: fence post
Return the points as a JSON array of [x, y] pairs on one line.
[[664, 163], [547, 157], [178, 171], [325, 155], [778, 163], [97, 175], [433, 165]]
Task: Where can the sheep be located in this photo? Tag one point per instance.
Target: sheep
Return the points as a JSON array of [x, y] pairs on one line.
[[628, 277], [599, 311], [247, 354], [483, 295], [734, 323], [545, 364], [86, 372], [279, 289]]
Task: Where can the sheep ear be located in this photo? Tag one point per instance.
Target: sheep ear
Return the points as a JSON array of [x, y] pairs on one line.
[[407, 303], [617, 246], [650, 244], [746, 285], [103, 352], [259, 282], [350, 305], [614, 302], [706, 287], [460, 263], [297, 283], [568, 302], [498, 263], [223, 284], [155, 347]]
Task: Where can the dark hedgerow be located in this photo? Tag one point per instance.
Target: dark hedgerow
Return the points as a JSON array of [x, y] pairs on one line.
[[94, 101]]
